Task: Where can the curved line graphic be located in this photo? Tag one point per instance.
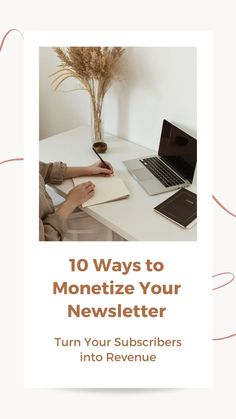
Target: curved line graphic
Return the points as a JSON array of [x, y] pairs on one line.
[[10, 160], [223, 207], [1, 47], [6, 35], [226, 283], [224, 273], [225, 337], [221, 286]]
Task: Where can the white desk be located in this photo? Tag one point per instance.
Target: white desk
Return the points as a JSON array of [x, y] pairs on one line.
[[133, 218]]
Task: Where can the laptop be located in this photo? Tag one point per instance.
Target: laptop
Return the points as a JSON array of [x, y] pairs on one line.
[[172, 168]]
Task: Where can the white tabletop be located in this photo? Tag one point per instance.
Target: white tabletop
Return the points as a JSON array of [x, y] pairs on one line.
[[133, 218]]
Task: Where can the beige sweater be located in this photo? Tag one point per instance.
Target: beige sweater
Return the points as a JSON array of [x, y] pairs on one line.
[[51, 225]]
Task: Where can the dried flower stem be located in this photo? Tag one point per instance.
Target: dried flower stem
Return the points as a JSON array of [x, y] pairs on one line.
[[95, 68]]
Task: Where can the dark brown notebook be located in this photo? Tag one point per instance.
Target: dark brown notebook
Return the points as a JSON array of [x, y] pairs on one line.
[[181, 208]]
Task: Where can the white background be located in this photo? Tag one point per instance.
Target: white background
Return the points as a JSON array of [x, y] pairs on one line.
[[218, 402], [187, 317], [190, 313]]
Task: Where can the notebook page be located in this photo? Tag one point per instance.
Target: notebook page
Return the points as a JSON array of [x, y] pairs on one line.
[[110, 188]]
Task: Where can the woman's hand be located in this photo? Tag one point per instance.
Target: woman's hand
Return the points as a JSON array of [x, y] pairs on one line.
[[99, 169], [76, 197], [95, 169], [81, 194]]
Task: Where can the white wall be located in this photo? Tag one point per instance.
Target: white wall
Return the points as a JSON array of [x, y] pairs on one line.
[[158, 83], [59, 110]]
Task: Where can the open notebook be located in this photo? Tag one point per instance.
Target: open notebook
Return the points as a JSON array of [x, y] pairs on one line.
[[110, 188]]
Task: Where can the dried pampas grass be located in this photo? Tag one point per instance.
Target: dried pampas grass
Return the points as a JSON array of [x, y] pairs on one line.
[[95, 68]]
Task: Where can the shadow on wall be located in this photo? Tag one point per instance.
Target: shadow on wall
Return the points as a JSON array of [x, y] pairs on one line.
[[185, 128]]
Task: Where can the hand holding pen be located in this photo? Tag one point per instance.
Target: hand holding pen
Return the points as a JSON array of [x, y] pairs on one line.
[[104, 164]]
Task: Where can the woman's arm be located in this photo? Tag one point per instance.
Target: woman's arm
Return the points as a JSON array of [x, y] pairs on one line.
[[94, 169], [57, 172], [83, 192]]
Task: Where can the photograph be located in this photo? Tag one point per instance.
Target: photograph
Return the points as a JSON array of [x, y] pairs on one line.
[[117, 143]]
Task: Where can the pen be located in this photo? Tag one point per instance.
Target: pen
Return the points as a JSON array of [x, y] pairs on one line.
[[105, 165]]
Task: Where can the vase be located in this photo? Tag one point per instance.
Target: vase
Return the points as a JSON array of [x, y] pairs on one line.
[[97, 129]]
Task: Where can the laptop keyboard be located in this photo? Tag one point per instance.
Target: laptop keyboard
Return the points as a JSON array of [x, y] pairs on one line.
[[161, 171]]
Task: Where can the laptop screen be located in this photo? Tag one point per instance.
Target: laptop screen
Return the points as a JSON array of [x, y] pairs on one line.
[[178, 149]]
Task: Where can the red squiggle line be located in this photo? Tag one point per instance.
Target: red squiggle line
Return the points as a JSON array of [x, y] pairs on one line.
[[6, 35], [224, 273], [9, 160], [225, 337], [224, 285], [1, 46], [222, 206], [221, 286]]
